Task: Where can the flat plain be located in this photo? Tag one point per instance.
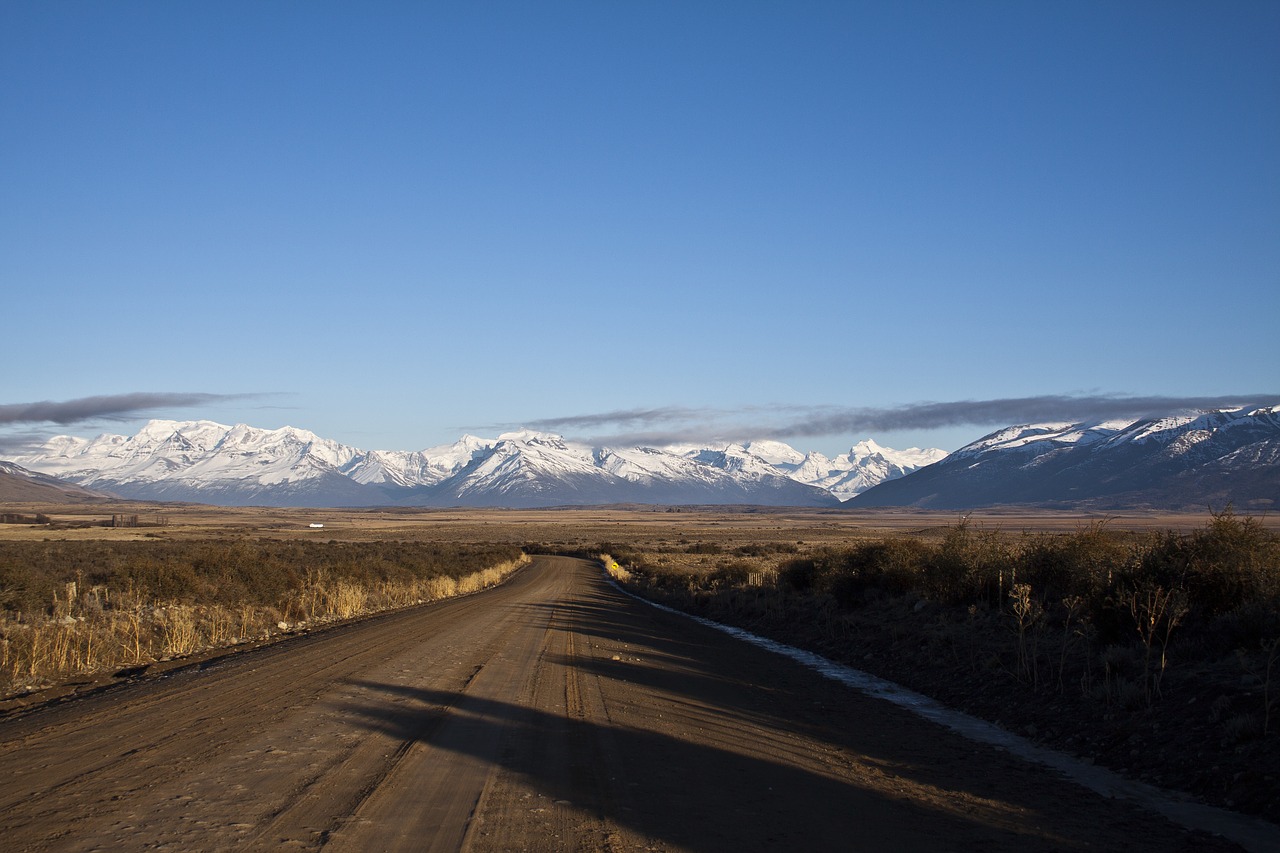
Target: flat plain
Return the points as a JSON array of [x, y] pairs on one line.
[[633, 525]]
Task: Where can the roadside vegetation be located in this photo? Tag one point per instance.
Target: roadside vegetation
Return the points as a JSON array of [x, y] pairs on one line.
[[71, 608], [1157, 653]]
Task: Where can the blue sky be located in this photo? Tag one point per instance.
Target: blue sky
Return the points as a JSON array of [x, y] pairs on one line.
[[391, 223]]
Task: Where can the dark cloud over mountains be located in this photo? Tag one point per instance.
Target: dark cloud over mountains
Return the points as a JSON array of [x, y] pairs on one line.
[[677, 423], [110, 406]]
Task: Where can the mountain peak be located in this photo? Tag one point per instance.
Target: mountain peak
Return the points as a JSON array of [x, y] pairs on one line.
[[213, 463], [866, 447]]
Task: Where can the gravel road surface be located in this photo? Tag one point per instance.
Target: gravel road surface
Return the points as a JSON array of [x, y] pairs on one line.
[[551, 713]]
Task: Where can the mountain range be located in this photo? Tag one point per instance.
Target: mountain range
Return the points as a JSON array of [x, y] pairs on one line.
[[1185, 460], [207, 462], [1190, 460]]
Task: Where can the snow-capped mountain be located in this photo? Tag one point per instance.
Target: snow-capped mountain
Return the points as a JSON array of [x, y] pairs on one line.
[[208, 462], [416, 468], [867, 464], [1187, 460]]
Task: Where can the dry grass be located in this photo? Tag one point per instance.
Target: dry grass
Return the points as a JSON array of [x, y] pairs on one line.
[[87, 632], [615, 571]]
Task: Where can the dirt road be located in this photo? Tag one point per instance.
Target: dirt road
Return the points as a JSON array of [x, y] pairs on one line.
[[552, 713]]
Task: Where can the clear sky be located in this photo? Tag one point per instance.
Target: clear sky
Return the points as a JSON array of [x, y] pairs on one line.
[[391, 223]]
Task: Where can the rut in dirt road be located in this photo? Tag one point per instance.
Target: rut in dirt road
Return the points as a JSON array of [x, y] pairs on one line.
[[550, 713]]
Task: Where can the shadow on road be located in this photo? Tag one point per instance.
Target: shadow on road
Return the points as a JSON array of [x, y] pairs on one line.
[[697, 796], [708, 744]]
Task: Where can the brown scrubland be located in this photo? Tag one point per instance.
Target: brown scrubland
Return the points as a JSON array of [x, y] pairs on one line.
[[1155, 651]]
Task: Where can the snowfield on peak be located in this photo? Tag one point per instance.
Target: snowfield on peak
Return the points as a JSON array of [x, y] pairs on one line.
[[214, 463], [867, 464]]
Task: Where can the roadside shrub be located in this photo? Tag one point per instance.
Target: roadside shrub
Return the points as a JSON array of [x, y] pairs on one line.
[[730, 573], [895, 566], [704, 548], [1232, 560], [1248, 625], [799, 574], [1084, 563], [969, 566], [72, 607], [765, 549], [626, 555]]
